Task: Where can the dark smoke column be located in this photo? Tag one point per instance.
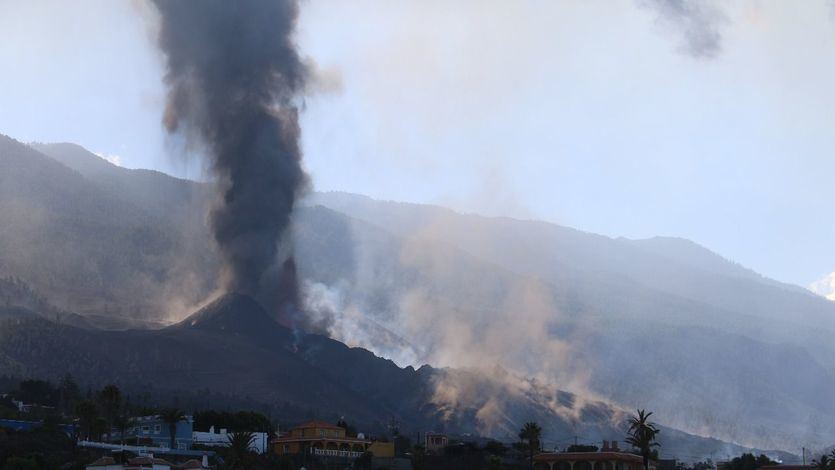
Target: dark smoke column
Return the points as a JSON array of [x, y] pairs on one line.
[[233, 77]]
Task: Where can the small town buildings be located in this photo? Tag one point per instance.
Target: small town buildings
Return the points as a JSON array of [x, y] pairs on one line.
[[19, 425], [325, 439], [147, 462], [787, 467], [434, 443], [105, 463], [221, 439], [611, 458], [136, 463], [155, 430]]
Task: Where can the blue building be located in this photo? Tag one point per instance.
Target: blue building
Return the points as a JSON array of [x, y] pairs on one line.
[[157, 431], [18, 425]]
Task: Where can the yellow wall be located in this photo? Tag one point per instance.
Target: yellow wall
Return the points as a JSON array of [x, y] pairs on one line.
[[292, 448], [382, 449]]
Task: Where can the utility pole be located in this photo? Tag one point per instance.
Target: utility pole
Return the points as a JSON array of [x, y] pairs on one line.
[[803, 451]]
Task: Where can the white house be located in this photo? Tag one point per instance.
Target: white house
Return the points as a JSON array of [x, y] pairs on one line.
[[221, 439]]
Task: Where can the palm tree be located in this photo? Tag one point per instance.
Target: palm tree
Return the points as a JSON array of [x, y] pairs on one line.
[[239, 449], [87, 414], [531, 432], [171, 417], [123, 423], [110, 398], [642, 435], [823, 463]]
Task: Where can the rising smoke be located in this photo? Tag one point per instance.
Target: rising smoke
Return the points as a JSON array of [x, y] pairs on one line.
[[234, 77], [698, 23]]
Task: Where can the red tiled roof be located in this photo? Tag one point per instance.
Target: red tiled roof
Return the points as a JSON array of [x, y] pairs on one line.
[[148, 461], [103, 461]]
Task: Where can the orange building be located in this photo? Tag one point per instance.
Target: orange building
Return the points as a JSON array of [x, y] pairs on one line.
[[325, 439]]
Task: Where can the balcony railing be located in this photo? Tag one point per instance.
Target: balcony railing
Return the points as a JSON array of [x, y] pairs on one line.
[[335, 453]]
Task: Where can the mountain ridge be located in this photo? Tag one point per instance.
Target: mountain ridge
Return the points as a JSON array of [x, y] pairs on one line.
[[386, 292]]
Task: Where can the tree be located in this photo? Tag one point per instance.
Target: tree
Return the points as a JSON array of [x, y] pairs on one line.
[[87, 414], [99, 428], [110, 398], [364, 461], [69, 393], [823, 462], [748, 462], [20, 463], [239, 449], [704, 465], [494, 462], [642, 434], [39, 392], [123, 423], [531, 434], [171, 417], [495, 448]]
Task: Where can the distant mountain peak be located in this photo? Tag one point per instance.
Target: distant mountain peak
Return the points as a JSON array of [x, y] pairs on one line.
[[232, 313], [825, 287]]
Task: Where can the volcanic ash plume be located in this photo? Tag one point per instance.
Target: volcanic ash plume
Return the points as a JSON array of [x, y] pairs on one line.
[[234, 76]]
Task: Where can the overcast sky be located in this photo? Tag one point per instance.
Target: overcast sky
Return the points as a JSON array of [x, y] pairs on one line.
[[635, 118]]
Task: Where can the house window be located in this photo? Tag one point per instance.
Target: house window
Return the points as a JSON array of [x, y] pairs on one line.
[[146, 429], [321, 433], [286, 449], [157, 428]]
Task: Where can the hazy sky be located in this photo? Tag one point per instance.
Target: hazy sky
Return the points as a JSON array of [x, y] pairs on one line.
[[710, 121]]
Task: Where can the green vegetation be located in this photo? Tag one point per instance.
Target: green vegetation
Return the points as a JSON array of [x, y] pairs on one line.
[[20, 463], [172, 416], [748, 462], [238, 454], [530, 435], [642, 435], [110, 401], [39, 449], [87, 413], [99, 412], [825, 462]]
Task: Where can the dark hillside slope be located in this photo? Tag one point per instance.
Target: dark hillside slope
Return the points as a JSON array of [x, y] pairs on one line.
[[642, 347], [269, 364], [635, 312], [565, 256], [161, 195], [85, 248], [71, 239]]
